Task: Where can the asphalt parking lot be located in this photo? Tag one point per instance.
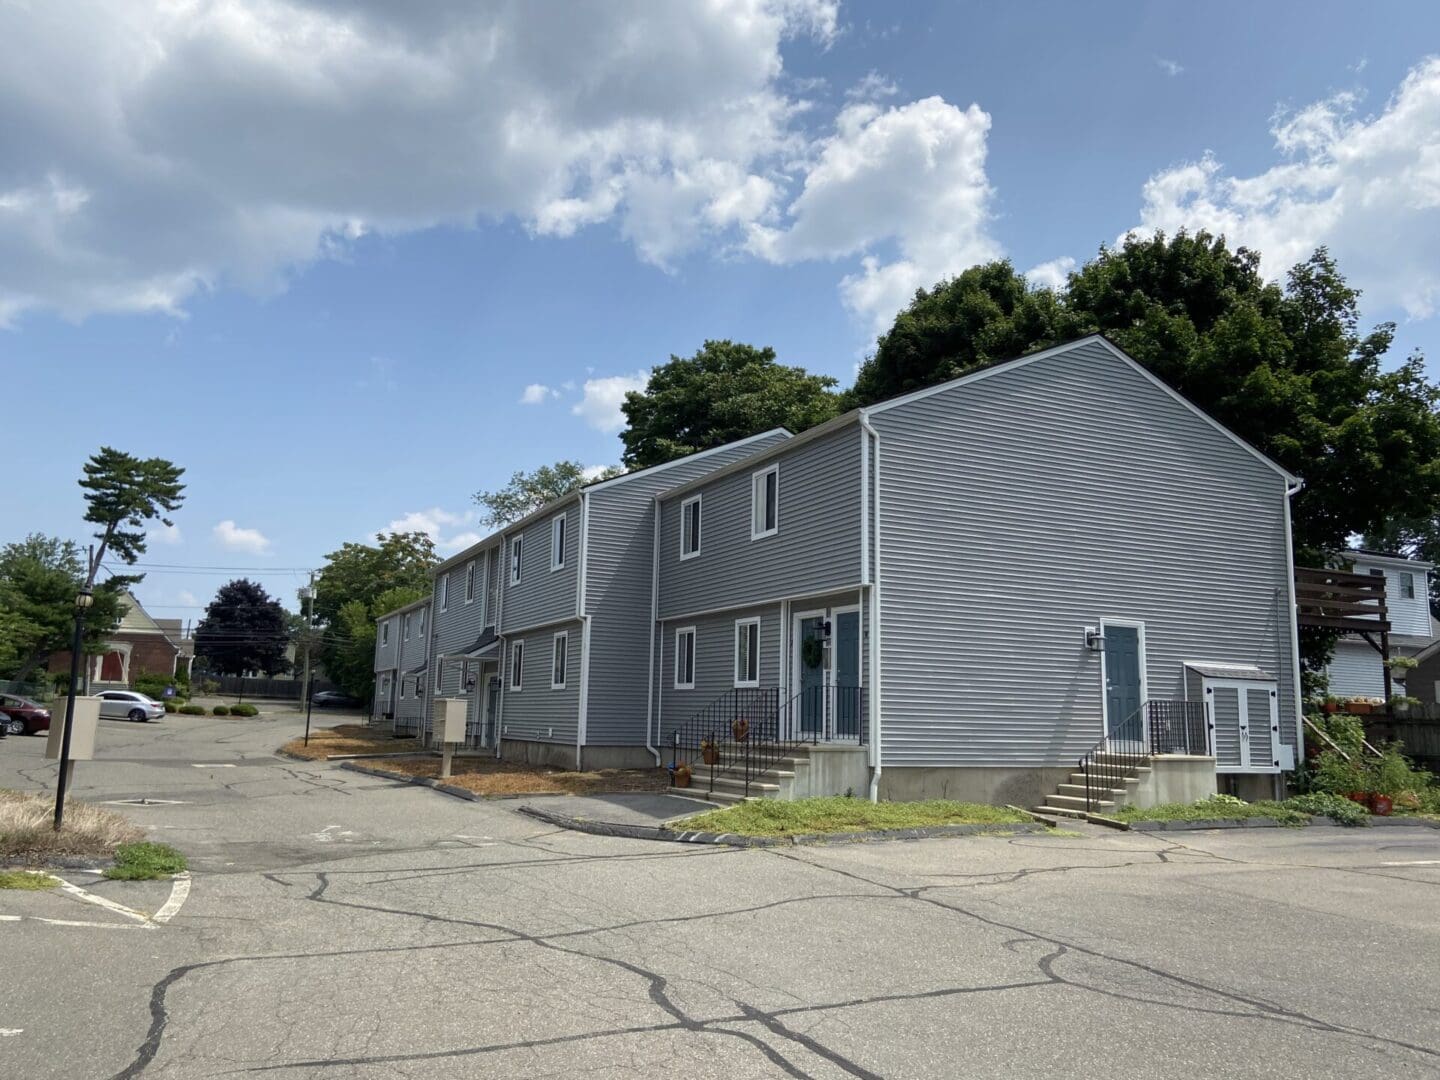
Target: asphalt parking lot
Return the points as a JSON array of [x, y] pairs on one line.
[[339, 925]]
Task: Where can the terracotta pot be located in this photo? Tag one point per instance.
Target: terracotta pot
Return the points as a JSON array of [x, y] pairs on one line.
[[710, 755], [1332, 706], [1358, 708], [1362, 797], [1381, 805], [682, 776], [740, 729]]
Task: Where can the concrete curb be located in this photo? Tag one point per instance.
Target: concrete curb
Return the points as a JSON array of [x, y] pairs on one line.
[[659, 832], [419, 781], [1257, 823]]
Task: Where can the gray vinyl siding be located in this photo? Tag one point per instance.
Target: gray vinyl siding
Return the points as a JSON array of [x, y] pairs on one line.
[[618, 580], [456, 629], [1019, 508], [714, 662], [1355, 669], [543, 595], [537, 712], [386, 654], [413, 653], [816, 549]]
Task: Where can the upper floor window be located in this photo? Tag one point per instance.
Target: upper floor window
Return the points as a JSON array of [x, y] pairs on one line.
[[690, 527], [444, 591], [765, 502], [559, 657], [470, 582], [516, 546], [385, 632], [685, 658], [405, 627], [747, 652], [557, 543], [422, 620], [1407, 585]]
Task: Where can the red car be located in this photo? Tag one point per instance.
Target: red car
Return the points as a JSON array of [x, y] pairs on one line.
[[21, 716]]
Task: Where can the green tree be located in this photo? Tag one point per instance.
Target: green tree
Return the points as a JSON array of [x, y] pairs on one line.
[[122, 493], [244, 629], [350, 655], [529, 491], [39, 579], [726, 391]]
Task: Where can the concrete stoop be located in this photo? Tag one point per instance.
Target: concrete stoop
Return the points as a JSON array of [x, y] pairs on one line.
[[777, 782], [1069, 798]]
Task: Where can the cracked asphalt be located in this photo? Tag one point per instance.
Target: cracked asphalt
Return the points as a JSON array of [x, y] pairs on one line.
[[343, 926]]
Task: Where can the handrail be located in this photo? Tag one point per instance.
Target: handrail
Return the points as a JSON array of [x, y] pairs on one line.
[[1156, 727]]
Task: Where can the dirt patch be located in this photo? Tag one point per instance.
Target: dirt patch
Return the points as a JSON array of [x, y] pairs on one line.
[[27, 833], [347, 739], [486, 776]]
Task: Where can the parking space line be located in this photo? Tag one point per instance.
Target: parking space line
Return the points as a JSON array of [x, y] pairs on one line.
[[179, 892], [100, 901]]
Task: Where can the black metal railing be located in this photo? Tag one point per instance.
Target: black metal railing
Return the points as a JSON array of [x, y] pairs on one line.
[[1157, 727], [746, 732]]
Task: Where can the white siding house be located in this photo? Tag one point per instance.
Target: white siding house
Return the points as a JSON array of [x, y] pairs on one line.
[[1356, 669]]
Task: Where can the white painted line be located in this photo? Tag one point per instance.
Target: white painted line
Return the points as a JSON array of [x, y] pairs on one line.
[[1414, 862], [179, 892], [5, 1033], [100, 901], [222, 765]]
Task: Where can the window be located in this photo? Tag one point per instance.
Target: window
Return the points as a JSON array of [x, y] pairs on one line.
[[690, 527], [470, 582], [747, 652], [765, 502], [685, 658], [405, 627], [557, 543], [560, 654], [515, 552], [1407, 586], [385, 632], [423, 612], [444, 591], [402, 688], [439, 675], [517, 666]]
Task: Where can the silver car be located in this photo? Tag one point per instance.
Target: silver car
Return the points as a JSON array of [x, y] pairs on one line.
[[129, 705]]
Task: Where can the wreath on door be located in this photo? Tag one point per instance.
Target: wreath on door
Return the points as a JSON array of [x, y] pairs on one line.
[[812, 652]]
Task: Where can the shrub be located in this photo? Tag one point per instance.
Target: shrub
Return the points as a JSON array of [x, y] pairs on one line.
[[1342, 810], [1335, 775], [152, 685], [145, 861], [170, 706], [1394, 774], [220, 710], [192, 710], [244, 710]]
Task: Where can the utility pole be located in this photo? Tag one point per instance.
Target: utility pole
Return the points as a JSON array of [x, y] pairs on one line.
[[308, 595], [83, 600]]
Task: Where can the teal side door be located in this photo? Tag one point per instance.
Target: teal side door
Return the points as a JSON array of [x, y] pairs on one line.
[[847, 674], [812, 676], [1122, 681]]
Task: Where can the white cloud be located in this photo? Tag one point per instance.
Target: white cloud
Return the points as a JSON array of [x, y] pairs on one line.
[[158, 150], [186, 598], [1051, 274], [593, 472], [437, 524], [600, 407], [872, 87], [538, 394], [1170, 67], [1368, 187], [905, 188], [235, 538], [164, 534]]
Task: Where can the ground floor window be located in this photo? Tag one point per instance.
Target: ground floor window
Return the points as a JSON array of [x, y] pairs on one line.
[[561, 651], [517, 666], [747, 652]]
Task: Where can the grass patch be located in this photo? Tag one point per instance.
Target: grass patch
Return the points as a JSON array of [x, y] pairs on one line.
[[348, 739], [486, 776], [26, 880], [772, 817], [145, 862], [1214, 809], [27, 831]]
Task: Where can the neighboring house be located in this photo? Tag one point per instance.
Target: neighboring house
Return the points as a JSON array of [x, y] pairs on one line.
[[140, 645], [1423, 681], [185, 643], [1356, 669], [401, 647], [955, 593]]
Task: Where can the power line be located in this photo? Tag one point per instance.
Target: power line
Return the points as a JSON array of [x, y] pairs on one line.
[[252, 569]]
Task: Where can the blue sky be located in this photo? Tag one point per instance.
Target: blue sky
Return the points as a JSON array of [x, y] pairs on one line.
[[317, 252]]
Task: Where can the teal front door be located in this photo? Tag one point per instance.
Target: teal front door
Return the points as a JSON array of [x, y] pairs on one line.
[[846, 694], [1122, 683], [810, 632]]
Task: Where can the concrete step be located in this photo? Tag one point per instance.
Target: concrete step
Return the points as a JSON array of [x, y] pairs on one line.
[[723, 798], [761, 786], [1077, 802], [1059, 812], [1108, 778], [1079, 789]]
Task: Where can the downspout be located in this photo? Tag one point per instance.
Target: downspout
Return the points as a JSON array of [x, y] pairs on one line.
[[652, 722], [502, 668], [873, 612], [1290, 492], [583, 716]]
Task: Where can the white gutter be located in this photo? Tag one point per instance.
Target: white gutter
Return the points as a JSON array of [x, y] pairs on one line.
[[583, 717], [652, 722], [1291, 491], [873, 611]]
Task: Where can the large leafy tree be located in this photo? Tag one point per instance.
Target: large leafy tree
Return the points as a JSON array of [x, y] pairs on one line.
[[39, 579], [350, 652], [529, 491], [244, 629], [726, 391]]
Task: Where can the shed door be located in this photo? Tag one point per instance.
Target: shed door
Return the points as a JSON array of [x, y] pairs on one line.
[[1244, 725], [1225, 742], [1263, 720]]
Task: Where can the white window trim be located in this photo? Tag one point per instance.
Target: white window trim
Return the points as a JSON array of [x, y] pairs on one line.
[[564, 635], [558, 529], [423, 612], [693, 500], [517, 667], [445, 592], [517, 558], [405, 627], [680, 632], [1407, 581], [741, 627], [757, 501], [470, 582]]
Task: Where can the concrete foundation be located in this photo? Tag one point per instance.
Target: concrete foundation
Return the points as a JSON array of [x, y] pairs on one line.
[[562, 755], [1175, 778], [833, 770], [1252, 786], [995, 785]]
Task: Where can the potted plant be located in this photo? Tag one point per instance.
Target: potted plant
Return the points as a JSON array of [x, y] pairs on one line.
[[1332, 704], [680, 776], [709, 752], [740, 729], [1358, 706], [1381, 805], [1400, 666]]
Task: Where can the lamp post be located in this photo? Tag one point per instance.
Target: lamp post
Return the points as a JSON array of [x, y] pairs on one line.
[[83, 600], [308, 595]]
